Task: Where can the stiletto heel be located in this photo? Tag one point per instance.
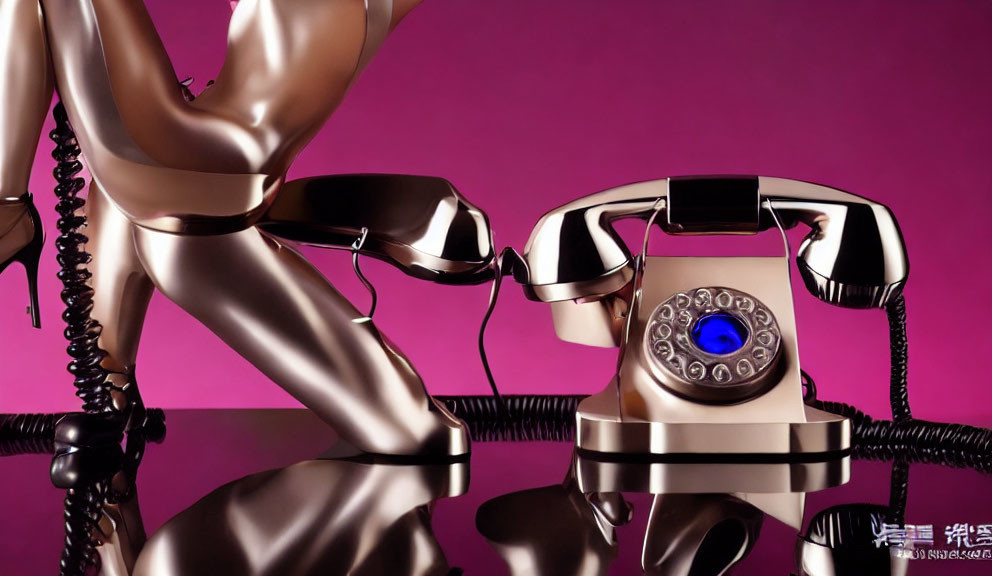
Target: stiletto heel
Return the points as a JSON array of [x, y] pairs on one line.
[[28, 255], [31, 260]]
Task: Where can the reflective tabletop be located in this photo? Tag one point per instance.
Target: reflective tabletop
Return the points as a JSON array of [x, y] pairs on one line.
[[267, 492]]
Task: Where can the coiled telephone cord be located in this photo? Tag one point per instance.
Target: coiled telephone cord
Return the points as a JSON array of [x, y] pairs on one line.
[[82, 331], [83, 504]]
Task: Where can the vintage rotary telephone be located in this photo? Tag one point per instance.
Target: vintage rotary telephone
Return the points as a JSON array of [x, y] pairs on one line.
[[708, 354]]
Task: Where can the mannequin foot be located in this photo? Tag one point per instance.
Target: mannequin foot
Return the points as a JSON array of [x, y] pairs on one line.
[[443, 438]]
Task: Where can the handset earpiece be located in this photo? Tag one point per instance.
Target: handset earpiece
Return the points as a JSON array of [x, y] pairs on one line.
[[575, 254], [854, 256]]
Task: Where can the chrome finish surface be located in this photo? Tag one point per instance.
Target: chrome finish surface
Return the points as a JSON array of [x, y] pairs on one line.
[[178, 187], [305, 338], [601, 428], [698, 534], [841, 539], [766, 279], [321, 517], [616, 475], [574, 251], [543, 507], [121, 533], [595, 323], [817, 560], [670, 397], [25, 95], [554, 530], [636, 415], [121, 287], [214, 164], [705, 520], [420, 224], [171, 197], [698, 375], [853, 256]]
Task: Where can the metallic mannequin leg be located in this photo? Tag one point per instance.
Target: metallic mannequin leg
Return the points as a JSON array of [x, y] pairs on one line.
[[26, 93], [275, 309], [121, 287]]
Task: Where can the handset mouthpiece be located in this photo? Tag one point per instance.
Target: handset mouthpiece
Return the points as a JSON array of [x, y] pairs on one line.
[[854, 255]]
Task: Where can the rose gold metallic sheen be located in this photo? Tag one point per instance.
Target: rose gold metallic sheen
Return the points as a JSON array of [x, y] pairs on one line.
[[121, 288], [26, 94], [274, 308], [178, 188], [554, 530], [853, 256], [321, 517]]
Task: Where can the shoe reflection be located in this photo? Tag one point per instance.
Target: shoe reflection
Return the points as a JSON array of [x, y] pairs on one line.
[[315, 517]]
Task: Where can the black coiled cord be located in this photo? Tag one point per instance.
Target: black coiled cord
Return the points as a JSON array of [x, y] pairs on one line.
[[904, 437], [83, 504], [955, 445], [83, 509], [895, 312], [898, 492], [82, 331], [514, 418], [27, 433]]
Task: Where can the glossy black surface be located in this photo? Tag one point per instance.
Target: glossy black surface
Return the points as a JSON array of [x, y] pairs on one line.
[[713, 205], [205, 449]]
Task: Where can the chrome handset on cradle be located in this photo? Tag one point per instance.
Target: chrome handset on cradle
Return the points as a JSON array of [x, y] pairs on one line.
[[708, 348]]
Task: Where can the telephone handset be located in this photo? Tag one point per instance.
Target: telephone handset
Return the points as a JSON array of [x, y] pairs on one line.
[[709, 361], [854, 255], [420, 224]]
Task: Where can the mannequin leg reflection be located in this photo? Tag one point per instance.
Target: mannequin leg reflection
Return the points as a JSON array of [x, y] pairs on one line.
[[274, 308]]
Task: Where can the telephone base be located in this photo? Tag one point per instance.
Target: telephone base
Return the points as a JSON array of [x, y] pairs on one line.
[[610, 475], [601, 430]]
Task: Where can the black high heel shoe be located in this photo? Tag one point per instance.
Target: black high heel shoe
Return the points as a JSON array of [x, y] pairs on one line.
[[21, 240]]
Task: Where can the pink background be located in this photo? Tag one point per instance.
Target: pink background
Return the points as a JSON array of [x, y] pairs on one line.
[[526, 104]]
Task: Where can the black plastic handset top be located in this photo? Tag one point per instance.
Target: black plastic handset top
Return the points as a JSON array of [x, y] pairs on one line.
[[713, 205]]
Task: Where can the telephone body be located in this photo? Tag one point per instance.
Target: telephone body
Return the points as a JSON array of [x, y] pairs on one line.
[[708, 347]]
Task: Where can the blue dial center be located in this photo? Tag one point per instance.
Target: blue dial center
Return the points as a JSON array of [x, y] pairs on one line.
[[719, 333]]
